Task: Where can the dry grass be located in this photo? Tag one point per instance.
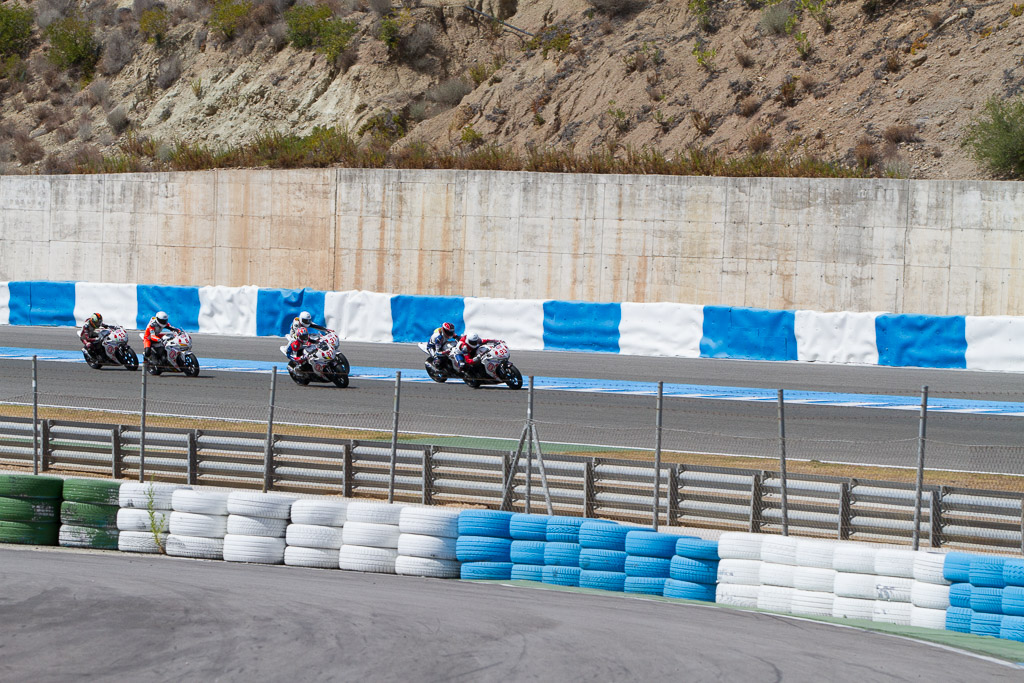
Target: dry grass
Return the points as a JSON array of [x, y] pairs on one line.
[[759, 142], [900, 133], [865, 153], [748, 106], [744, 59]]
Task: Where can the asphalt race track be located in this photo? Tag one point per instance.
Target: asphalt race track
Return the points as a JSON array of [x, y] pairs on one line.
[[851, 434], [80, 615]]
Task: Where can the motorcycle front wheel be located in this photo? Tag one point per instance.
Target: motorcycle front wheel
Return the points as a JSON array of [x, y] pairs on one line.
[[342, 363], [513, 378], [128, 358], [190, 365], [472, 383], [340, 380]]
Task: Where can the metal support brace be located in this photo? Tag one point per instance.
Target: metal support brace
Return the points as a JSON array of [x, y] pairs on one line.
[[843, 532], [673, 495], [44, 445], [346, 469], [588, 488], [192, 473], [935, 517], [427, 496], [756, 502], [116, 460]]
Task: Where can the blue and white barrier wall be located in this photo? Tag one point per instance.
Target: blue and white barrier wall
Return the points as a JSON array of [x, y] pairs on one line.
[[654, 329]]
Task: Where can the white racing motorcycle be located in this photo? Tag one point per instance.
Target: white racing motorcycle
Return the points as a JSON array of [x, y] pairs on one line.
[[320, 364], [176, 356], [115, 347], [331, 339], [491, 366]]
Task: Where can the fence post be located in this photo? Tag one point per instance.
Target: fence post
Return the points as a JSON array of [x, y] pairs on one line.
[[673, 495], [346, 470], [756, 502], [782, 464], [115, 452], [529, 447], [142, 427], [935, 517], [588, 488], [427, 497], [268, 453], [394, 438], [506, 469], [35, 416], [844, 511], [44, 445], [922, 425], [656, 505], [192, 471]]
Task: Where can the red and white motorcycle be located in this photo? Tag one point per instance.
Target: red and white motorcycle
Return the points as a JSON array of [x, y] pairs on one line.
[[175, 356], [320, 364], [115, 347], [331, 338], [492, 365]]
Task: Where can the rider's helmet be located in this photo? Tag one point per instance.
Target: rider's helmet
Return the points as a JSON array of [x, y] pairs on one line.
[[161, 317], [473, 341], [305, 318], [302, 334], [96, 319], [447, 329]]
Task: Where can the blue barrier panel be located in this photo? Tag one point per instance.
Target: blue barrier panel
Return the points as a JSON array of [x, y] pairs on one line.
[[750, 333], [575, 325], [413, 318], [181, 304], [924, 341], [42, 303], [277, 308]]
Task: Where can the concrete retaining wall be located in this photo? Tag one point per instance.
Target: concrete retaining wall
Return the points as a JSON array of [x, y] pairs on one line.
[[926, 247]]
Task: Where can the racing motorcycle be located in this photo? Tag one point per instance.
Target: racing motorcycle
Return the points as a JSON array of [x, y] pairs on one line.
[[331, 338], [176, 356], [115, 347], [491, 366], [320, 364]]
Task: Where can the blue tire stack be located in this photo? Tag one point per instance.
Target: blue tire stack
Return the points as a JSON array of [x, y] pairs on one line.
[[648, 561], [986, 576], [484, 545], [603, 555], [1012, 627], [957, 568], [693, 572], [562, 551], [529, 536]]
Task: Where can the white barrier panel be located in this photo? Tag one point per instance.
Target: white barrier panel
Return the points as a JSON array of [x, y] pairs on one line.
[[995, 343], [836, 337], [520, 322], [358, 315], [5, 304], [661, 329], [228, 310], [117, 303]]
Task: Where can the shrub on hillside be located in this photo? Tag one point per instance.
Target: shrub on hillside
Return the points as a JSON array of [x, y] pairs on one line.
[[314, 26], [15, 29], [615, 7], [154, 24], [996, 137], [117, 120], [449, 92], [168, 72], [72, 44], [118, 50], [775, 19], [228, 17]]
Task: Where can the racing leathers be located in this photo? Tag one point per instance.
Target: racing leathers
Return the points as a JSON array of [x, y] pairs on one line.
[[297, 351], [153, 338], [296, 324], [465, 355], [436, 345], [90, 337]]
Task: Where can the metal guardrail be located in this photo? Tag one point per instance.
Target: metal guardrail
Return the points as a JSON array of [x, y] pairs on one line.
[[697, 496]]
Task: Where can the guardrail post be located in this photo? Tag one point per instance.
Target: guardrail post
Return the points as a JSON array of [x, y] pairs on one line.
[[844, 511], [142, 427], [35, 417], [935, 518], [673, 495], [346, 470], [782, 464], [192, 461], [394, 438], [268, 453], [756, 502], [922, 424], [116, 461], [509, 494], [588, 488], [427, 497], [44, 445], [656, 503]]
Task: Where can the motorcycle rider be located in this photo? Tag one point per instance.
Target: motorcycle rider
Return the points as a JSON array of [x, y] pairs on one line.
[[90, 335], [438, 340], [154, 335], [297, 349], [466, 350], [305, 320]]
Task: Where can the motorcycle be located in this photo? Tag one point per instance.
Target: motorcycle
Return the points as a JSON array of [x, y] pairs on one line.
[[331, 338], [115, 347], [320, 364], [176, 356], [492, 366]]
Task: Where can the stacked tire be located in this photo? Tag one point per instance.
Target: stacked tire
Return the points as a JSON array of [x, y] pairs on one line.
[[370, 538], [198, 524], [777, 574], [603, 555], [314, 536], [929, 594], [894, 569], [30, 509], [693, 571], [648, 561], [977, 594], [426, 544], [814, 578], [257, 523], [739, 568], [1012, 626], [855, 585], [144, 519], [562, 551], [484, 545], [529, 537], [88, 515]]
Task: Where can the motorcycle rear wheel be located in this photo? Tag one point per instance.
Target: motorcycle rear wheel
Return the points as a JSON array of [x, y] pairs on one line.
[[190, 365], [93, 363], [433, 373], [473, 383], [299, 379], [153, 369], [513, 378]]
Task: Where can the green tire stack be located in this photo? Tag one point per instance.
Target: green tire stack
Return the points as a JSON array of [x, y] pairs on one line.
[[88, 514], [29, 509]]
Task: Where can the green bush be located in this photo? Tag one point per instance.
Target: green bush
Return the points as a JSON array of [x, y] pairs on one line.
[[313, 26], [72, 44], [154, 24], [15, 29], [228, 16], [389, 33], [996, 137]]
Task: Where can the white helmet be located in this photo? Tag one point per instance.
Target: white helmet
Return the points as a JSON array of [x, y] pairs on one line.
[[161, 317], [473, 340], [305, 318]]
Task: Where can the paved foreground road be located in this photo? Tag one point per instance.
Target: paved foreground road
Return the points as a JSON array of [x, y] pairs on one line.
[[75, 615]]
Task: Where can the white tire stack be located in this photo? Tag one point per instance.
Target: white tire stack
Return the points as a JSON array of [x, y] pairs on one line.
[[315, 534], [739, 568], [855, 586], [929, 593], [777, 574], [198, 523], [895, 577], [370, 538], [814, 578], [426, 544], [256, 527], [141, 532]]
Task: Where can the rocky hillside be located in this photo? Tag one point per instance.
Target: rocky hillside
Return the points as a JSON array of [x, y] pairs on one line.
[[887, 84]]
